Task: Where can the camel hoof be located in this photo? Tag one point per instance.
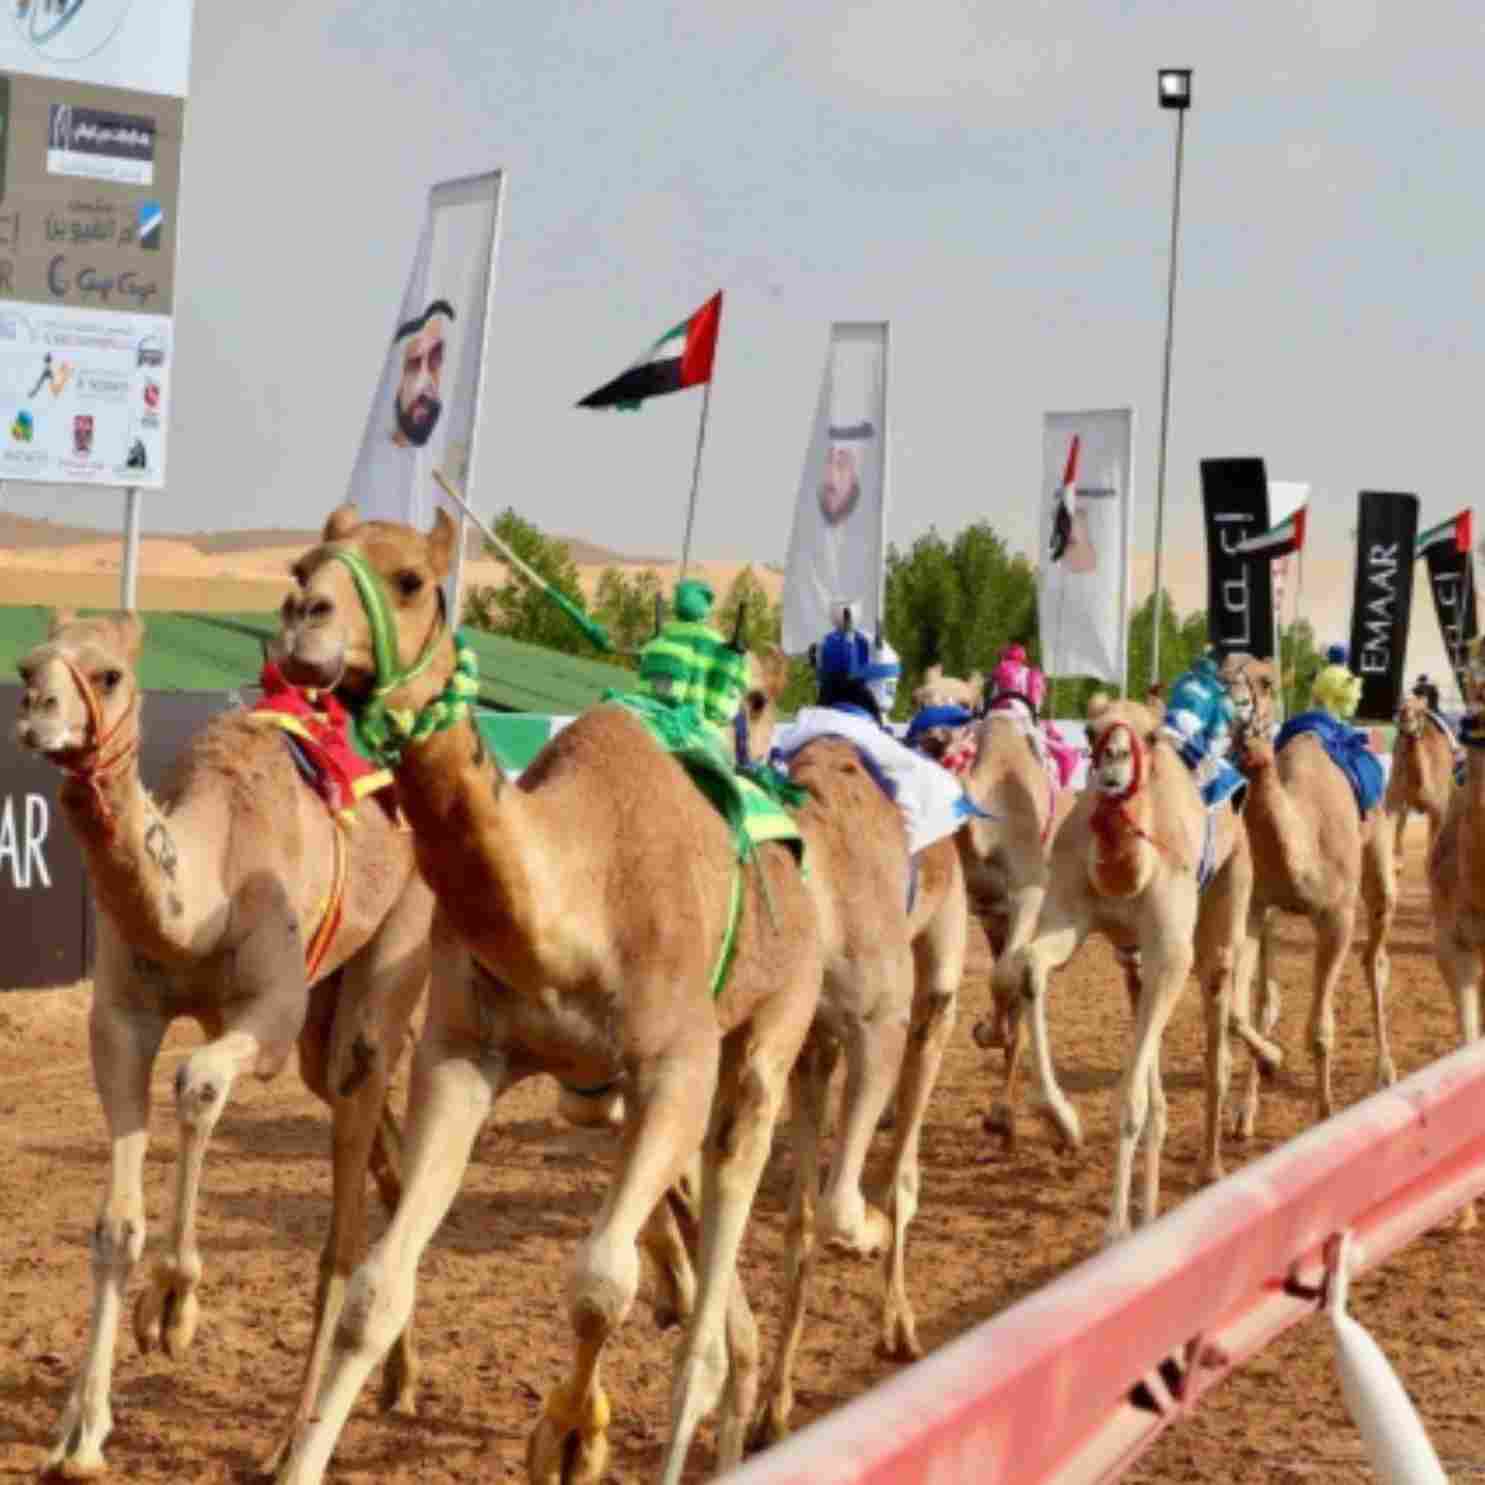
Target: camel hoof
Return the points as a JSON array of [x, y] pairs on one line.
[[1066, 1128], [988, 1035], [772, 1423], [399, 1390], [568, 1447], [1386, 1073], [85, 1465], [899, 1340], [870, 1239], [1001, 1123], [166, 1315]]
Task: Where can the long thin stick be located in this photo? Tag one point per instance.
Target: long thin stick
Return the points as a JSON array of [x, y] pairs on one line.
[[590, 626], [706, 402]]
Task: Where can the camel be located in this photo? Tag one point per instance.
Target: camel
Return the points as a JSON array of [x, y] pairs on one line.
[[1456, 872], [608, 932], [938, 689], [1126, 862], [894, 944], [1003, 853], [212, 904], [1422, 776], [1313, 855]]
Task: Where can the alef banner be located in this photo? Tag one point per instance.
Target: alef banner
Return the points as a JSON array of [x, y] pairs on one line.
[[1083, 556], [836, 548], [426, 406], [1382, 599], [1447, 549], [1240, 600]]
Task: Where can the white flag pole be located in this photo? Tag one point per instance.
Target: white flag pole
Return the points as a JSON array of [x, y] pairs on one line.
[[706, 402], [129, 570], [886, 482]]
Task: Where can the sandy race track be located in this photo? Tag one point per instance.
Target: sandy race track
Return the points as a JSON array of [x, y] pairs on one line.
[[993, 1226]]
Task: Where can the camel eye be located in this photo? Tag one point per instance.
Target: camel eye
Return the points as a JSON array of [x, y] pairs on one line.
[[24, 671], [298, 573], [409, 583], [756, 702], [110, 679]]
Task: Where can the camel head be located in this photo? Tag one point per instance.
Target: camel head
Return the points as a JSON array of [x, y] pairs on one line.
[[1253, 686], [367, 610], [758, 716], [1412, 716], [80, 695], [938, 689], [1120, 734], [1473, 680]]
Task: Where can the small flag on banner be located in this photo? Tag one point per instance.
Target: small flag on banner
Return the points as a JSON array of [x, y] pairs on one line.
[[1278, 541], [681, 358], [1457, 531]]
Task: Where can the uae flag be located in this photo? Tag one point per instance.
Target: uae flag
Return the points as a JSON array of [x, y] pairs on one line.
[[1457, 533], [1278, 541], [681, 358]]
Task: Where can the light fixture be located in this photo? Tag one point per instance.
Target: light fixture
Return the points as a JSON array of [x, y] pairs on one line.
[[1175, 87]]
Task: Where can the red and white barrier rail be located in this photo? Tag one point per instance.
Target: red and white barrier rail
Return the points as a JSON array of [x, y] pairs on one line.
[[1075, 1381]]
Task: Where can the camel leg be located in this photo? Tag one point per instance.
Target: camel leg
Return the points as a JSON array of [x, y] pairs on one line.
[[809, 1087], [1379, 893], [939, 959], [168, 1311], [755, 1067], [1221, 924], [1062, 930], [1165, 961], [874, 1044], [1333, 929], [740, 1396], [349, 1050], [666, 1240], [124, 1044], [455, 1081], [1460, 965]]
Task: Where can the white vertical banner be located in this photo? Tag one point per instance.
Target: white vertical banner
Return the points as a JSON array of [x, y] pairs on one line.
[[426, 407], [1083, 556], [837, 547]]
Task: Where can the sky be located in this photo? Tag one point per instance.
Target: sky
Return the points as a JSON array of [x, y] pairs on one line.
[[994, 180]]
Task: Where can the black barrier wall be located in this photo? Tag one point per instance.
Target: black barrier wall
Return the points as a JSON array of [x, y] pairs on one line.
[[46, 910]]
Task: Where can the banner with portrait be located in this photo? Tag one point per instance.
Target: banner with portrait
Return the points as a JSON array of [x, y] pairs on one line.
[[426, 407], [837, 547], [1083, 542]]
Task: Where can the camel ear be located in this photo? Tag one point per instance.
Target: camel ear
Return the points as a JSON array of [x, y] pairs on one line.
[[773, 672], [59, 620], [933, 675], [976, 684], [1098, 704], [441, 541], [343, 520], [131, 632]]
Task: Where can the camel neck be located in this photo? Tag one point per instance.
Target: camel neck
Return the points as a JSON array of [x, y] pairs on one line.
[[138, 861]]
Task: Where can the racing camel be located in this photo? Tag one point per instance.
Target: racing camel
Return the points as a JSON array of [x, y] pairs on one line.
[[613, 934], [237, 900]]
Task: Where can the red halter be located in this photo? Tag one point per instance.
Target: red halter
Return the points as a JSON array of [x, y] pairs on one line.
[[94, 764]]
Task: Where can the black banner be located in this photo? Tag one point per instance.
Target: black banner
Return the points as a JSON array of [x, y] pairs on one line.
[[1240, 590], [1451, 575], [1382, 599]]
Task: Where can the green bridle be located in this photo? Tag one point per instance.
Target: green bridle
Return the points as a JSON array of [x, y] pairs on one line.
[[384, 731]]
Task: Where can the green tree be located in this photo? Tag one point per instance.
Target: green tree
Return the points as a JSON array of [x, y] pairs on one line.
[[521, 611], [628, 608]]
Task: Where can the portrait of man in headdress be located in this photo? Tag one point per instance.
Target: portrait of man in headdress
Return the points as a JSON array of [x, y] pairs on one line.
[[417, 403]]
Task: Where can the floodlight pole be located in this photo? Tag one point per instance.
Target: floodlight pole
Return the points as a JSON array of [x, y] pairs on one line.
[[1170, 323], [129, 572]]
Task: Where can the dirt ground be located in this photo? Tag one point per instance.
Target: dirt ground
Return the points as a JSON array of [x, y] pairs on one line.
[[993, 1226]]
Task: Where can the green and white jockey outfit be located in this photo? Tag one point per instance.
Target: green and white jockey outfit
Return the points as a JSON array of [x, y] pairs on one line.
[[689, 664]]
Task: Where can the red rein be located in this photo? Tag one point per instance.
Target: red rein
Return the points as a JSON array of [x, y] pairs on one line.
[[1111, 817], [93, 765]]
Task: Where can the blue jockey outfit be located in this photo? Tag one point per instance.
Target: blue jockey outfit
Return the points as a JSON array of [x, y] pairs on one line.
[[1198, 719]]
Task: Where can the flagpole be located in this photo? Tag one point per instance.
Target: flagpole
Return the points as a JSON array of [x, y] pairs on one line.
[[706, 402]]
